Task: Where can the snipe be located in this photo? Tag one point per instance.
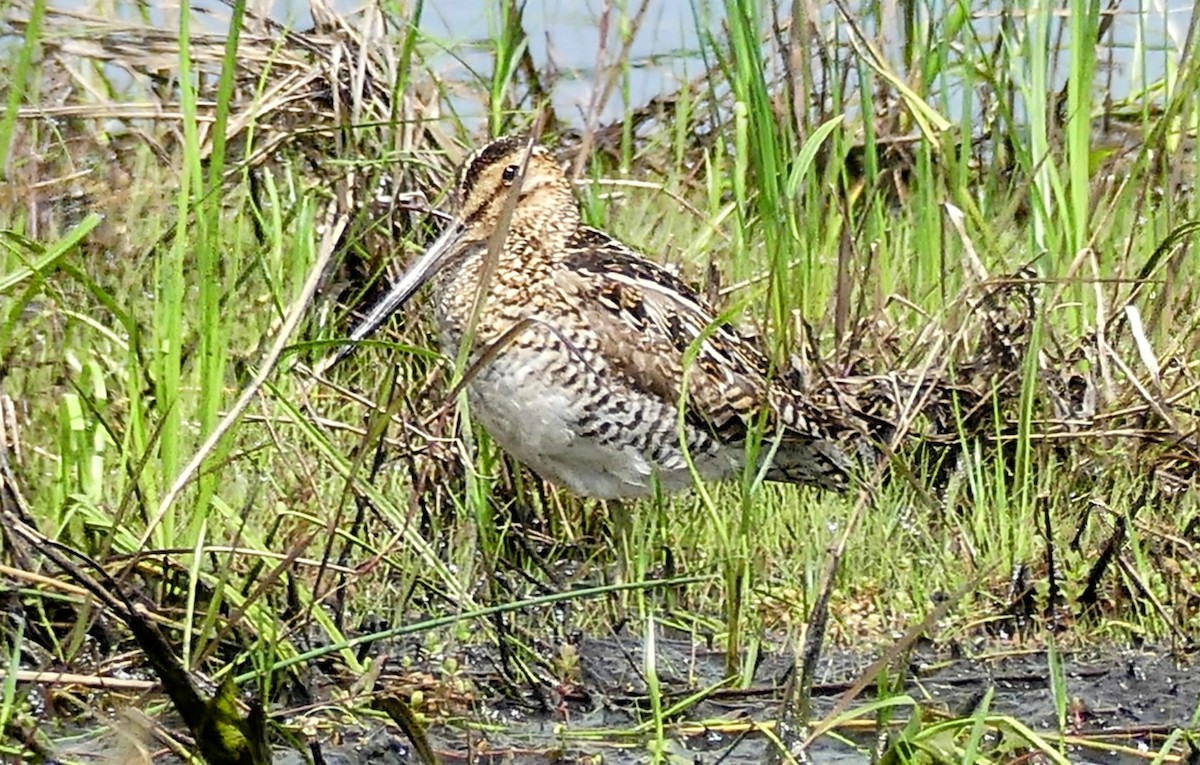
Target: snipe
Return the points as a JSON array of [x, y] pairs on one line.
[[579, 346]]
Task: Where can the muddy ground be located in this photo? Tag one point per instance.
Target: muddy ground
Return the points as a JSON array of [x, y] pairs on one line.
[[1132, 698]]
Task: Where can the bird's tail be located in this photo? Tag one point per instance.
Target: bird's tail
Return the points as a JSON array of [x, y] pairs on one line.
[[815, 461]]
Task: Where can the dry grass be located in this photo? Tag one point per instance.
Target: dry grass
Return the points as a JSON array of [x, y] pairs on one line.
[[991, 390]]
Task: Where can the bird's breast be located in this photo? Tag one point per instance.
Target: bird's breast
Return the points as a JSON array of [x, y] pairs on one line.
[[546, 393]]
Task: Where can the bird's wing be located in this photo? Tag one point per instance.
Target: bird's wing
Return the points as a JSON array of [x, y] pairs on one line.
[[653, 322]]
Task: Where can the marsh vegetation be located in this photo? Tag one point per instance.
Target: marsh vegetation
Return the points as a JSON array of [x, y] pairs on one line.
[[972, 225]]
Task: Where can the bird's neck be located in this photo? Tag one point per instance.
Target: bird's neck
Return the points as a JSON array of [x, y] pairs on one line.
[[517, 275]]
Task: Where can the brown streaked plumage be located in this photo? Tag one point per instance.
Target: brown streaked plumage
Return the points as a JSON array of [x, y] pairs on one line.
[[580, 346]]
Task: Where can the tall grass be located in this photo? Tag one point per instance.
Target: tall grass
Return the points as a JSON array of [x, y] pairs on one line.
[[857, 206], [19, 76]]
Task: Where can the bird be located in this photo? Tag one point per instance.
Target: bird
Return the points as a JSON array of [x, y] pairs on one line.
[[592, 365]]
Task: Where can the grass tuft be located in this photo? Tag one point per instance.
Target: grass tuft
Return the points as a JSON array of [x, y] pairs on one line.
[[963, 234]]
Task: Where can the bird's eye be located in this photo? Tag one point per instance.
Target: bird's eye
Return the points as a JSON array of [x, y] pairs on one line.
[[510, 173]]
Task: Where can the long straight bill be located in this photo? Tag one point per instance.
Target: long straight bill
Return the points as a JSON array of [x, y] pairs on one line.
[[417, 274]]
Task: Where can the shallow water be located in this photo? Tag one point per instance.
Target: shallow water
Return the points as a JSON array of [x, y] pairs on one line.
[[1132, 698], [565, 40]]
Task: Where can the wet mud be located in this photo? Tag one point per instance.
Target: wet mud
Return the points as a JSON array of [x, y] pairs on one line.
[[1117, 698]]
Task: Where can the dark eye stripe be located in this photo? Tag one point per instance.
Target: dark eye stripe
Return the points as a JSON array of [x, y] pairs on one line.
[[485, 158]]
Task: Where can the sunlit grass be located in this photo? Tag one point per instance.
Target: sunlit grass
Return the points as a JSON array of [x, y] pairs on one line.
[[825, 212]]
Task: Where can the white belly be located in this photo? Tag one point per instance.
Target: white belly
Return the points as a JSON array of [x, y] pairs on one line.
[[547, 427]]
